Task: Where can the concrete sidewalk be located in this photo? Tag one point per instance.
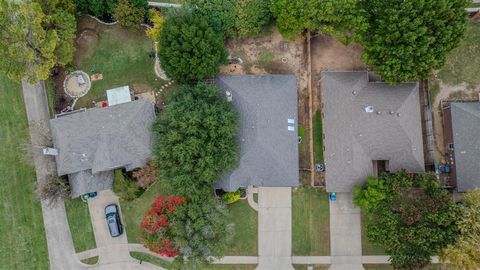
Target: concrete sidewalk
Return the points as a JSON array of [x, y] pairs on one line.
[[61, 252], [346, 234], [274, 228]]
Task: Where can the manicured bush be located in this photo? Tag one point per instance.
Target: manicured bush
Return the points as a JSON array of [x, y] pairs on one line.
[[231, 197]]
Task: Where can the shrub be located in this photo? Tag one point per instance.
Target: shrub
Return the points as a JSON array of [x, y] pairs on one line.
[[191, 49], [124, 187], [145, 176], [155, 226], [231, 197], [158, 22], [53, 190], [128, 15]]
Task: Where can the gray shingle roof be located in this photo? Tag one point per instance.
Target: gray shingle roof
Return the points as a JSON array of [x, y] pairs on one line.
[[268, 150], [354, 137], [466, 141], [102, 139], [84, 182]]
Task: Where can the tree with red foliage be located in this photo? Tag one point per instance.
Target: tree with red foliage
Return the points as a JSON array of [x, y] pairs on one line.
[[156, 226]]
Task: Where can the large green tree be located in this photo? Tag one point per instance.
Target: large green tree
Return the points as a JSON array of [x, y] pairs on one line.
[[464, 253], [194, 145], [199, 229], [191, 49], [35, 36], [195, 139], [221, 14], [251, 16], [128, 15], [411, 217], [333, 17], [405, 40]]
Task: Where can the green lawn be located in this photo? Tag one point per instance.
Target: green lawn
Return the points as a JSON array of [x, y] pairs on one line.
[[22, 236], [91, 261], [244, 242], [122, 57], [463, 63], [369, 248], [389, 267], [310, 222], [318, 137], [151, 259], [80, 223]]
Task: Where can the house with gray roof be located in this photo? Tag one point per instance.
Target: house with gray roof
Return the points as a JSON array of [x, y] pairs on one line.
[[462, 143], [92, 143], [268, 131], [369, 127]]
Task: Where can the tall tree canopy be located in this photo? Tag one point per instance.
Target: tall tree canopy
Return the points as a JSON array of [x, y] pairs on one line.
[[411, 217], [194, 145], [464, 253], [333, 17], [191, 49], [35, 37], [221, 14], [195, 139], [251, 16], [405, 40]]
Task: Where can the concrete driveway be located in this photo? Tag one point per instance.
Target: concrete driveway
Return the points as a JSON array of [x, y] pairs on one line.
[[274, 228], [345, 234], [110, 249]]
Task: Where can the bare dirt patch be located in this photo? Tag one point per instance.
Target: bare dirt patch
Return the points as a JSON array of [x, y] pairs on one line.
[[459, 92], [273, 54], [328, 54]]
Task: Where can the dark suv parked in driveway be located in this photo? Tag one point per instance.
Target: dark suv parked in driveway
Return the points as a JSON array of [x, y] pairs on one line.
[[114, 222]]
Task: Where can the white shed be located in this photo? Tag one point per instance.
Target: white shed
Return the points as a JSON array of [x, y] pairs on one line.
[[119, 95]]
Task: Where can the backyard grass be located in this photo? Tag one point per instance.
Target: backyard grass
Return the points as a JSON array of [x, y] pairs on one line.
[[22, 236], [318, 137], [310, 222], [463, 63], [80, 224], [369, 248], [122, 57]]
